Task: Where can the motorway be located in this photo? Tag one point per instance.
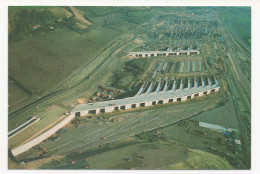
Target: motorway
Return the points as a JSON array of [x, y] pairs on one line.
[[130, 124]]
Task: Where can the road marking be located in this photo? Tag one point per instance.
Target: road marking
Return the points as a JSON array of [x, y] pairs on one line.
[[108, 136], [81, 137], [130, 123], [205, 109]]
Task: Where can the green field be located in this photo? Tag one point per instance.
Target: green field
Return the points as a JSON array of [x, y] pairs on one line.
[[239, 19], [53, 58], [18, 95], [224, 116], [144, 156], [41, 62], [141, 156], [199, 160]]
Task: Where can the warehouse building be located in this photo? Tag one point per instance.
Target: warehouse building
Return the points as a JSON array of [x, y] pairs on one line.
[[163, 53], [160, 96]]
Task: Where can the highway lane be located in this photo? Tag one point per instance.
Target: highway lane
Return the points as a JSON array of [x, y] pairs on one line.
[[109, 137], [132, 123], [136, 124], [116, 126], [77, 139], [113, 138]]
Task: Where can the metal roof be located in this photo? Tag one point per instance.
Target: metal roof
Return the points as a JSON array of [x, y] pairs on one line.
[[212, 126], [143, 98], [216, 127], [177, 51]]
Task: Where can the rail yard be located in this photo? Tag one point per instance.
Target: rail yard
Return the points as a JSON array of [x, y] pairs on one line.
[[177, 83]]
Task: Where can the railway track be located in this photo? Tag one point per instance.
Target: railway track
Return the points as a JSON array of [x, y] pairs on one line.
[[234, 94]]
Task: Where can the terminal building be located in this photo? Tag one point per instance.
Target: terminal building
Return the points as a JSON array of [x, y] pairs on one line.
[[149, 94], [154, 93], [163, 53]]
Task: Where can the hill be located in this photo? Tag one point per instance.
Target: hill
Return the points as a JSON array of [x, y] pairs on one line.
[[46, 44]]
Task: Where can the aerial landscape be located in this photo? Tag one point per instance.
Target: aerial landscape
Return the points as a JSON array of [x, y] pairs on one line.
[[106, 87]]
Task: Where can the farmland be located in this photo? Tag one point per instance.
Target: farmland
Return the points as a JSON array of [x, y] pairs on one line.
[[32, 64], [84, 58]]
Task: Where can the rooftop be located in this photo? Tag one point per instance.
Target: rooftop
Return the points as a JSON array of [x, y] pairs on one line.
[[181, 51], [142, 98]]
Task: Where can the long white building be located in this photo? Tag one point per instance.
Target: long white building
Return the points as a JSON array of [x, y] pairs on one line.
[[148, 95], [160, 96], [163, 53]]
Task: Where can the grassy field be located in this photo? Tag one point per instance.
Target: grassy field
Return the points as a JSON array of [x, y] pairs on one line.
[[199, 160], [141, 156], [54, 57], [191, 135], [76, 84], [33, 164], [224, 116], [40, 62], [18, 95], [239, 19]]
